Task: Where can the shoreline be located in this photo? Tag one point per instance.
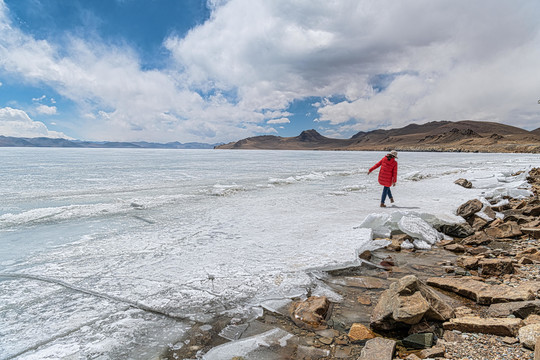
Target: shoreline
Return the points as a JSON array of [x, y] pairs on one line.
[[361, 288]]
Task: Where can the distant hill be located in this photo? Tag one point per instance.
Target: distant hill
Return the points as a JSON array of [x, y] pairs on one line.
[[8, 141], [467, 135], [536, 131]]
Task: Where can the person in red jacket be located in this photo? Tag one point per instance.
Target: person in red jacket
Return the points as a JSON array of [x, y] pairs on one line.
[[387, 174]]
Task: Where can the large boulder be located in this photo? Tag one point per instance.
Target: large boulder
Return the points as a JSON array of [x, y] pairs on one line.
[[407, 302], [469, 208], [494, 326], [311, 313]]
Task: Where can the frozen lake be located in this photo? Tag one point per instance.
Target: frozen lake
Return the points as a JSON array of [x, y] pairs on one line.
[[109, 253]]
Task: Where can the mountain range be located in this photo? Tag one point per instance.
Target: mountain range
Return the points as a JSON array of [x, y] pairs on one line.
[[466, 135], [8, 141]]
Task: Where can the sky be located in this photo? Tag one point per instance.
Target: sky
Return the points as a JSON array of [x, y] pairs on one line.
[[222, 70]]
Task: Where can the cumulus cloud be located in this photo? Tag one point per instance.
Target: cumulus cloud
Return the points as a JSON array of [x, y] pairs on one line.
[[391, 62], [279, 121], [15, 122], [373, 62], [46, 110]]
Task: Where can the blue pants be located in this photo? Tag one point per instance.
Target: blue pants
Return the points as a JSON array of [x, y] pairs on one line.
[[386, 191]]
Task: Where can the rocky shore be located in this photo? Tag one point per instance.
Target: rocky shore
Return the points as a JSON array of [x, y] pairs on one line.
[[475, 295]]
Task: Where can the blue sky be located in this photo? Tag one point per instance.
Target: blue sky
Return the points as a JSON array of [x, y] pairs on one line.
[[221, 70]]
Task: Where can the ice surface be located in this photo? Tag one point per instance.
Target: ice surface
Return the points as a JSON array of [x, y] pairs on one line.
[[252, 348], [123, 248]]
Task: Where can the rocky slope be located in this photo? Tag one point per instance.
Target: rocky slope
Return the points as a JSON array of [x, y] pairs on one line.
[[468, 136]]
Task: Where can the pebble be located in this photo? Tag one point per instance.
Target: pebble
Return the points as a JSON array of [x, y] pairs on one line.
[[486, 347]]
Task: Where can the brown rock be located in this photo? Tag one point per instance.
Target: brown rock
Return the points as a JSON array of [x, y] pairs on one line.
[[444, 243], [463, 182], [469, 208], [521, 309], [532, 211], [479, 238], [378, 349], [410, 309], [436, 351], [494, 326], [360, 332], [402, 237], [530, 253], [412, 357], [477, 223], [509, 340], [529, 334], [520, 205], [537, 349], [366, 255], [533, 232], [459, 230], [451, 336], [496, 267], [364, 300], [490, 213], [468, 262], [326, 340], [395, 245], [481, 292], [478, 250], [496, 223], [463, 311], [532, 286], [506, 230], [407, 302], [525, 261], [364, 282], [311, 313], [387, 262], [456, 248], [532, 319]]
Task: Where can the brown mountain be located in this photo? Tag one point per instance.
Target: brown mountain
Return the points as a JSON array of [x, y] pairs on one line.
[[467, 135]]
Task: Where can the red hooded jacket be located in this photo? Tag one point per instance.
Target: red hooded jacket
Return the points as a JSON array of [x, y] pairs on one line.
[[388, 172]]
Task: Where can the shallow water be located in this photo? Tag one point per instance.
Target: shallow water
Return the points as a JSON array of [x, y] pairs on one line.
[[108, 253]]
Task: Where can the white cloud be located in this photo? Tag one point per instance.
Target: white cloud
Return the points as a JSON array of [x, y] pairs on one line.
[[279, 121], [374, 62], [451, 59], [15, 122], [39, 98], [47, 110]]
